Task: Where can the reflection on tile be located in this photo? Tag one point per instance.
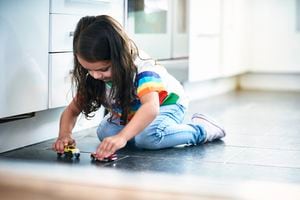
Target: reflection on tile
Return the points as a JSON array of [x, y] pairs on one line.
[[220, 171], [268, 157], [215, 152]]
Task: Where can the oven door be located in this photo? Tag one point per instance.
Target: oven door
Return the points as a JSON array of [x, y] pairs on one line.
[[149, 25]]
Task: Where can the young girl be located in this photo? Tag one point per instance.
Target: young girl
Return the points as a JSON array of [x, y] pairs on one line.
[[146, 104]]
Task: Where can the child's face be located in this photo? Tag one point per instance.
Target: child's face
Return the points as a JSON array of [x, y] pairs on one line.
[[100, 70]]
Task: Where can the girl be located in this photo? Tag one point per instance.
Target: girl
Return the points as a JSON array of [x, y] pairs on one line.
[[146, 104]]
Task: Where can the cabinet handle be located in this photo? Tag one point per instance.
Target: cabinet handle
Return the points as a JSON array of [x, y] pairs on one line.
[[71, 34]]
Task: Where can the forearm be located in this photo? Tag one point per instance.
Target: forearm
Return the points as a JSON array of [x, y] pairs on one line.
[[142, 118], [67, 123], [68, 120]]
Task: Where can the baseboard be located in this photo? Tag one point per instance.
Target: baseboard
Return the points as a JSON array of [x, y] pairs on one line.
[[247, 81], [269, 81]]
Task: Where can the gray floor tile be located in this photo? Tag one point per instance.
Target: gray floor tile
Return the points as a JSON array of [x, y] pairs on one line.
[[262, 142], [268, 157]]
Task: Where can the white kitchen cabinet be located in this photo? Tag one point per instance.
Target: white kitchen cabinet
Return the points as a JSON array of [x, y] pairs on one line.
[[218, 38], [61, 32], [205, 39], [64, 16], [235, 48], [24, 36], [60, 90]]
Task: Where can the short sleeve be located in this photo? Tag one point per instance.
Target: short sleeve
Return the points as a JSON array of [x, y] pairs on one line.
[[149, 81]]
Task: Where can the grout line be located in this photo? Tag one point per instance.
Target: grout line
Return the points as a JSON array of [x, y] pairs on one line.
[[260, 165], [234, 155], [249, 147]]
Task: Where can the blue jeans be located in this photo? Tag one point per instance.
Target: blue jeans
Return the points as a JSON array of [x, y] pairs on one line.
[[166, 130]]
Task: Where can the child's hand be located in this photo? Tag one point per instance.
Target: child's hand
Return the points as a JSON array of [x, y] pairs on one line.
[[61, 142], [109, 146]]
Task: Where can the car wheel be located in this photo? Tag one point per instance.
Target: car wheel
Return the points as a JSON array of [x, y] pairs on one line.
[[77, 155], [69, 154]]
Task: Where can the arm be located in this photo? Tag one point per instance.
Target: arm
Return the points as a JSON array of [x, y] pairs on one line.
[[142, 118], [67, 123]]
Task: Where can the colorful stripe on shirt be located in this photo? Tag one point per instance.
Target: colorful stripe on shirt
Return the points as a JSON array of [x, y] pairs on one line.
[[149, 82]]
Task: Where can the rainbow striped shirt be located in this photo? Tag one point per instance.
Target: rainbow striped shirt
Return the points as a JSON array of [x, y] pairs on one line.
[[154, 78]]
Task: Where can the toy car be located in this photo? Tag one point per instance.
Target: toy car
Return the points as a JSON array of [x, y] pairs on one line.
[[70, 151], [110, 158]]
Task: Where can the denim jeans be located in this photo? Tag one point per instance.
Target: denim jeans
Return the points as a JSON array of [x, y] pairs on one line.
[[166, 130]]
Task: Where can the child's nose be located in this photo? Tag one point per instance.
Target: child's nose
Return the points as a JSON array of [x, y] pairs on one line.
[[97, 75]]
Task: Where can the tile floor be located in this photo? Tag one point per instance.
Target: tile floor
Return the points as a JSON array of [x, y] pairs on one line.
[[262, 143]]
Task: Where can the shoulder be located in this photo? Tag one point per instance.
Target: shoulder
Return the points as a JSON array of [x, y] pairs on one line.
[[144, 61], [146, 64]]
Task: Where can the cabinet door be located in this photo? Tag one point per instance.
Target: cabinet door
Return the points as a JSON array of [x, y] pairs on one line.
[[60, 68], [62, 28], [205, 39], [24, 28], [235, 51]]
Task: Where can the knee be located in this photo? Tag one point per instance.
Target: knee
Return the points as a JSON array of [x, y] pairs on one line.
[[145, 144]]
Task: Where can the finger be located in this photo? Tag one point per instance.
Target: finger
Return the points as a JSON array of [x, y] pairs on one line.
[[101, 154], [61, 146], [102, 148], [98, 151], [110, 150], [104, 153], [66, 142], [57, 146], [108, 147]]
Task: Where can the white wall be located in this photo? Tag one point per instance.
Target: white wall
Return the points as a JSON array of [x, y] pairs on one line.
[[275, 41]]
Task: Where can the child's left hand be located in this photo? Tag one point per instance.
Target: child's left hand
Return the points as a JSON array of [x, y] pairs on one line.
[[109, 146]]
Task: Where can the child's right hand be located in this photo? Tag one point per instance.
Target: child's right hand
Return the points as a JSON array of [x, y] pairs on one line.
[[61, 142]]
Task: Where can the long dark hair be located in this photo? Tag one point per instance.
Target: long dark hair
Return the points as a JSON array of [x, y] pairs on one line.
[[99, 38]]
